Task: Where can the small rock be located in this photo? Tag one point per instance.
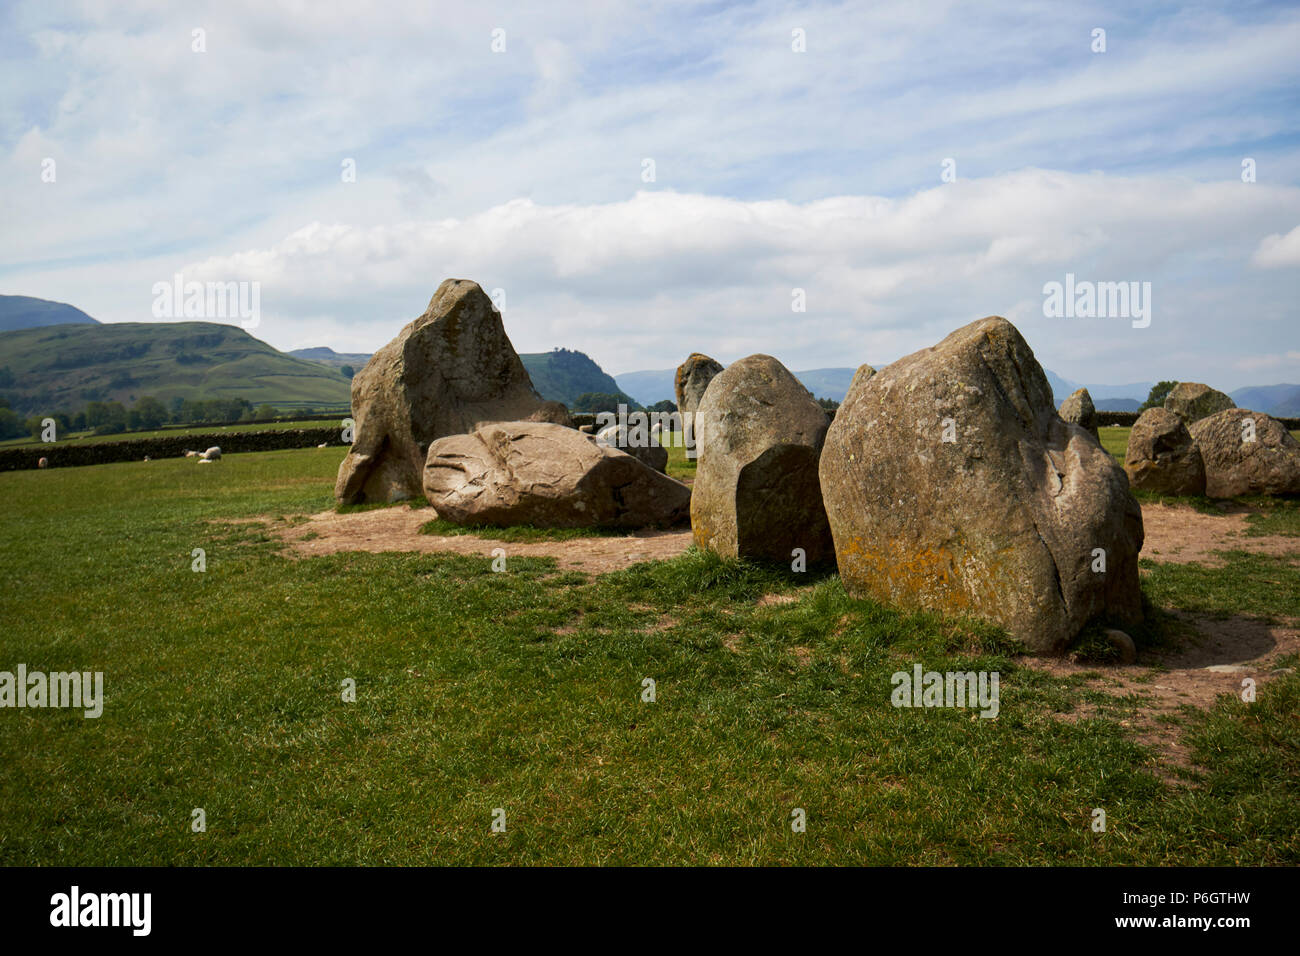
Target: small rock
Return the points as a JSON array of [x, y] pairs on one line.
[[1117, 639]]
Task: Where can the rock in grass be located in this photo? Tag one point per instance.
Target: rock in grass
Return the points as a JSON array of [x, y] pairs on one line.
[[446, 373], [1192, 401], [1123, 645], [1162, 456], [1078, 408], [759, 435], [548, 476], [951, 484], [1247, 453], [637, 442]]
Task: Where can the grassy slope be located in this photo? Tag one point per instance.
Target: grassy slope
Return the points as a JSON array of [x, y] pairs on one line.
[[63, 367], [563, 376], [522, 690]]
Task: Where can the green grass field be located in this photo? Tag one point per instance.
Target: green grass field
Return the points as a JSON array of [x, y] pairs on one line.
[[523, 691]]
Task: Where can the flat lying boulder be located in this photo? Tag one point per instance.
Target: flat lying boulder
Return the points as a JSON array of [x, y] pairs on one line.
[[1192, 401], [1247, 453], [549, 476], [693, 377], [1162, 455], [1078, 409], [756, 494], [637, 442], [951, 484], [446, 373]]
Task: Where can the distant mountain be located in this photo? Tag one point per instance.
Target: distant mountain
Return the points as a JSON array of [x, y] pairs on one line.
[[649, 387], [562, 375], [62, 367], [1135, 392], [1280, 401], [26, 312], [653, 386], [327, 356], [1117, 404], [832, 383]]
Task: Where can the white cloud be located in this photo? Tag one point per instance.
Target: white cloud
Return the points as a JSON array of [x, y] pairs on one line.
[[1277, 251], [641, 282]]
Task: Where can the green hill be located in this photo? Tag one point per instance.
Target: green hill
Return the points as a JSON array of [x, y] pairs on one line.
[[562, 375], [62, 367], [26, 312]]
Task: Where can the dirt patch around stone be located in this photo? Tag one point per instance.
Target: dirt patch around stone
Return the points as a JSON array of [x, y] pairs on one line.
[[398, 529], [1181, 535], [1215, 660]]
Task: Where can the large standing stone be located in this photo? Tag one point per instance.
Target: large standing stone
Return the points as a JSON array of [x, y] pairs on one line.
[[756, 492], [693, 377], [951, 484], [1247, 453], [1162, 456], [446, 373], [1078, 408], [1192, 401], [549, 476]]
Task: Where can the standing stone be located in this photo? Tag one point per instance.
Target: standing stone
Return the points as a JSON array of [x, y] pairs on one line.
[[446, 373], [1192, 401], [1162, 456], [693, 377], [637, 442], [756, 492], [1078, 408], [951, 484], [548, 476], [1247, 453]]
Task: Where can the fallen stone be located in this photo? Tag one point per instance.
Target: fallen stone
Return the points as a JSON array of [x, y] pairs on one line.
[[548, 476]]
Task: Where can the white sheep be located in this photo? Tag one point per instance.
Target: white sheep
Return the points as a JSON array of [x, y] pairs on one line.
[[43, 463], [212, 454]]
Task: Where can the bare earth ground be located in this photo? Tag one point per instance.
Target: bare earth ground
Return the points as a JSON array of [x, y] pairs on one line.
[[398, 529], [1223, 653]]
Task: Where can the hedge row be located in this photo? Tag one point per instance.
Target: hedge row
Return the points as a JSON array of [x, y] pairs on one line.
[[70, 454], [1128, 418]]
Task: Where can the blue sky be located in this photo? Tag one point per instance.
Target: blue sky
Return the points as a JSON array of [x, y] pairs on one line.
[[774, 170]]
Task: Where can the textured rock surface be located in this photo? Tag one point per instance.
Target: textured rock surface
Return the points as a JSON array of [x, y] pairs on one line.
[[757, 493], [638, 443], [1078, 409], [555, 412], [446, 373], [1192, 401], [1269, 465], [693, 377], [1162, 456], [951, 484], [546, 475]]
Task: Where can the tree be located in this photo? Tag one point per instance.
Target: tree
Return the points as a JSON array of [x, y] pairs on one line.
[[597, 402], [664, 405], [348, 371], [150, 412], [828, 404], [1159, 392], [264, 411]]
